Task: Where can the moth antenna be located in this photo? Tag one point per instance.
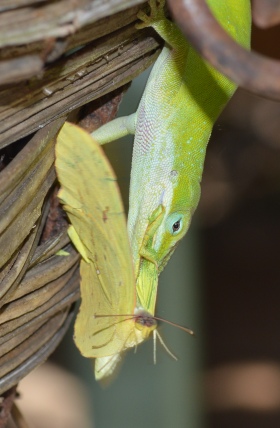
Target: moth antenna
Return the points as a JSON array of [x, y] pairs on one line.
[[186, 329], [131, 316], [114, 315], [164, 345]]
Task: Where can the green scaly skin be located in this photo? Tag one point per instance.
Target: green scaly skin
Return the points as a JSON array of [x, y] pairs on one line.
[[181, 102]]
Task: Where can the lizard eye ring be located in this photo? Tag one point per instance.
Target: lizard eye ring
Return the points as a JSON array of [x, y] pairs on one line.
[[174, 223]]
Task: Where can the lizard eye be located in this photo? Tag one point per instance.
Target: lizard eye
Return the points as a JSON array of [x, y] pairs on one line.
[[176, 226], [174, 223]]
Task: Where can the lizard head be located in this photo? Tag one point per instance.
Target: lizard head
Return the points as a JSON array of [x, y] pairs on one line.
[[167, 225]]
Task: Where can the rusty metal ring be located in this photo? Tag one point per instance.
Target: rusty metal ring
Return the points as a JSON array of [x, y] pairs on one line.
[[249, 70]]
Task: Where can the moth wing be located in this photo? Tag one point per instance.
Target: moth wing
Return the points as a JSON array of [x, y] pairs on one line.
[[105, 368], [91, 198]]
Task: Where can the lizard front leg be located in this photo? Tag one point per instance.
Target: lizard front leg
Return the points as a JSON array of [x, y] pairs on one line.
[[115, 129]]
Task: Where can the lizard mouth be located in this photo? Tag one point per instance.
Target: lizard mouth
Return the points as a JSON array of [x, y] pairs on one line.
[[146, 285]]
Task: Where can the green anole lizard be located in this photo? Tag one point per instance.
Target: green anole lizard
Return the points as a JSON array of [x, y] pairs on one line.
[[172, 125]]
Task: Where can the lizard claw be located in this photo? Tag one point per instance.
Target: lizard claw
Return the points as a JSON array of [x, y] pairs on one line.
[[156, 14]]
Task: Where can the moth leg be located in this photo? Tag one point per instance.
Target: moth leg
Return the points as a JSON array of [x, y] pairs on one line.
[[115, 129], [73, 235]]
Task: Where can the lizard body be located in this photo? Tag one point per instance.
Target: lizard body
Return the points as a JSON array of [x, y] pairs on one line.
[[172, 125]]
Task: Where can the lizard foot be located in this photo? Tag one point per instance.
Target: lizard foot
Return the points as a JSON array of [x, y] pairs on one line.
[[156, 14]]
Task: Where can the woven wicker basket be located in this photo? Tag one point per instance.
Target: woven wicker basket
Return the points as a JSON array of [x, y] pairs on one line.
[[37, 287]]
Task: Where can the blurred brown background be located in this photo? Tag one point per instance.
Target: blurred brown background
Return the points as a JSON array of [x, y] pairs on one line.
[[240, 230]]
